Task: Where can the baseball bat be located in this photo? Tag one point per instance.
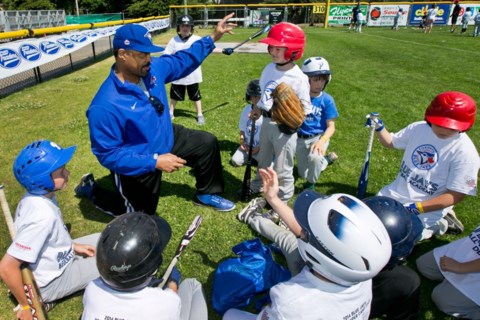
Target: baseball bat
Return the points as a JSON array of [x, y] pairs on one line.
[[363, 181], [229, 51], [187, 237], [29, 285], [248, 170]]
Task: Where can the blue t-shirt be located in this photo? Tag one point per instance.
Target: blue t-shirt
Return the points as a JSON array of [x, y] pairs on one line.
[[324, 109]]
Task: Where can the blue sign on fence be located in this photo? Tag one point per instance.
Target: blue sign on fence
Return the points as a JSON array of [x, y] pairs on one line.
[[418, 10]]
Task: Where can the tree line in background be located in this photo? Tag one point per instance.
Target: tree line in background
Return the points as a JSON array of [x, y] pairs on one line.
[[131, 8]]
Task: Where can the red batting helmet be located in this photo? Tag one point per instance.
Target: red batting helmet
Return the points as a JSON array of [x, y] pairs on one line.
[[287, 35], [453, 110]]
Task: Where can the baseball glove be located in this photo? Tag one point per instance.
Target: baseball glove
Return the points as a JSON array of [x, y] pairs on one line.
[[287, 108]]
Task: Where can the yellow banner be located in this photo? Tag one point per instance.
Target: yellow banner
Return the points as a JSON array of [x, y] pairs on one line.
[[319, 9]]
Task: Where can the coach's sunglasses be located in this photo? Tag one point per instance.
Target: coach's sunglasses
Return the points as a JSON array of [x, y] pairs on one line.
[[157, 104]]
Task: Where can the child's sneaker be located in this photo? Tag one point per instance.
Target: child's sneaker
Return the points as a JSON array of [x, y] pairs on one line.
[[455, 226], [214, 201], [272, 216], [309, 186], [331, 157], [253, 208], [85, 187], [200, 120]]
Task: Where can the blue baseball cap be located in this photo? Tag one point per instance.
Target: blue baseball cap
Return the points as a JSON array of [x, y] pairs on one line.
[[134, 37]]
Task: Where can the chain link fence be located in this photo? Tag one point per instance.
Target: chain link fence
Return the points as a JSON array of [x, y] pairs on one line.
[[100, 49]]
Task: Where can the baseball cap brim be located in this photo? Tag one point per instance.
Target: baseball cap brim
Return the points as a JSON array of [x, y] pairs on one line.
[[134, 37], [302, 206]]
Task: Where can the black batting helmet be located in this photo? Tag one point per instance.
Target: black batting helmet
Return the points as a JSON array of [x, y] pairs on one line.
[[404, 228], [185, 19], [130, 248], [253, 90]]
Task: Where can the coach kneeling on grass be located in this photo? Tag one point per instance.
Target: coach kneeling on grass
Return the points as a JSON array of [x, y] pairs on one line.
[[131, 132]]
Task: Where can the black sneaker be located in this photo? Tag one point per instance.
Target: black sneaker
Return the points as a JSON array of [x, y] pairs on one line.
[[85, 187], [455, 226]]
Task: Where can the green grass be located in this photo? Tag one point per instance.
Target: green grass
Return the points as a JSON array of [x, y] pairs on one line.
[[394, 73]]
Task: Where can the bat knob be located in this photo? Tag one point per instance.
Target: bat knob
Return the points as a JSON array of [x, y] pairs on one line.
[[227, 51]]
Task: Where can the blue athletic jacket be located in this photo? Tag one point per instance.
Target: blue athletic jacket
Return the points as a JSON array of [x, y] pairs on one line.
[[126, 132]]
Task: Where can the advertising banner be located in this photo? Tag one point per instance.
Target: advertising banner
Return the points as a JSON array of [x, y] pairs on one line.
[[383, 15], [418, 10], [341, 15], [275, 16], [23, 55], [474, 9], [259, 17]]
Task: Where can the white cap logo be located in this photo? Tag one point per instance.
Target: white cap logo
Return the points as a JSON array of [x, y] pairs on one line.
[[148, 36], [126, 42]]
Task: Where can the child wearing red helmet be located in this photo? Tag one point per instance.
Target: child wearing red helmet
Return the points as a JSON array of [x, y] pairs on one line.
[[440, 163], [286, 43]]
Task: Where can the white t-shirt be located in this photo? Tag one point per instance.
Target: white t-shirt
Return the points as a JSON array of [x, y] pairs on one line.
[[432, 13], [467, 16], [102, 302], [42, 238], [176, 44], [306, 297], [431, 165], [245, 125], [271, 77], [477, 18], [463, 250]]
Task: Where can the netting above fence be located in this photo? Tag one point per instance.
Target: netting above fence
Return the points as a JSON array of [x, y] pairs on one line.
[[94, 18]]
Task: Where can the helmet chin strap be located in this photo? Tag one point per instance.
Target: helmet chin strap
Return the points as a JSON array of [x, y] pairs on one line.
[[294, 54], [184, 39], [284, 63]]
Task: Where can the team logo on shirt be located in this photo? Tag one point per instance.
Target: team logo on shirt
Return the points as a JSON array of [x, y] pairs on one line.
[[471, 182], [153, 81], [64, 257], [267, 93], [425, 157]]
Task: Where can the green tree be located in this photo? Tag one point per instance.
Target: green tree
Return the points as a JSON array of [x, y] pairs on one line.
[[145, 8], [29, 5]]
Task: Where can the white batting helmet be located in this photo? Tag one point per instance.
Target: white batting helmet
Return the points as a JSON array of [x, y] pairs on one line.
[[344, 240], [316, 66]]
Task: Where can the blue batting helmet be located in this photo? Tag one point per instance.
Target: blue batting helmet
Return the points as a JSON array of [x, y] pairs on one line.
[[404, 228], [36, 162]]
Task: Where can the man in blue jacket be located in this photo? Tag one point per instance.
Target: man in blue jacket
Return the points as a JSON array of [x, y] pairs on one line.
[[131, 132]]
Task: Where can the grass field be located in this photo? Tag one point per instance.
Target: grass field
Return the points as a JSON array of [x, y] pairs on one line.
[[394, 73]]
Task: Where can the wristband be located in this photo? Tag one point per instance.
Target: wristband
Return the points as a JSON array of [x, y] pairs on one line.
[[324, 139], [419, 207], [20, 307]]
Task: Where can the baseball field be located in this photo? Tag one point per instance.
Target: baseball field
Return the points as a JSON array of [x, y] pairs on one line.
[[395, 73]]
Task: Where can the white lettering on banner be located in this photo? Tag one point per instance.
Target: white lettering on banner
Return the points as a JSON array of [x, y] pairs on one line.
[[383, 15], [22, 55], [9, 58], [49, 47], [66, 43], [29, 52]]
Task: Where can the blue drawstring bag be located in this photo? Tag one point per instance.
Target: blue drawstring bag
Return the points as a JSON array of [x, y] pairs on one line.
[[238, 280]]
